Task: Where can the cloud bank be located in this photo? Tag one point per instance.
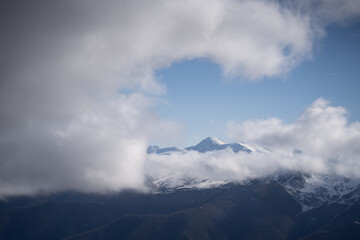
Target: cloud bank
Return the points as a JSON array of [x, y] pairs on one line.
[[321, 141], [77, 77]]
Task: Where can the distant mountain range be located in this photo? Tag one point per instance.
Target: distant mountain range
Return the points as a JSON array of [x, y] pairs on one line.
[[253, 211], [207, 145], [284, 205], [310, 190]]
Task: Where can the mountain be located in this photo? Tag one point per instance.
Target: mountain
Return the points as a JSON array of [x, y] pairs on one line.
[[215, 144], [309, 189], [207, 145], [233, 211], [174, 182], [316, 190], [237, 212], [164, 151], [285, 205]]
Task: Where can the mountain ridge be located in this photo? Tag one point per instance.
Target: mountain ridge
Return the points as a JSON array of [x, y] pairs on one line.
[[206, 145], [309, 189]]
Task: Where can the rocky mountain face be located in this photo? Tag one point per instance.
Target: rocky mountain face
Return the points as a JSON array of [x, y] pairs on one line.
[[311, 191], [315, 190]]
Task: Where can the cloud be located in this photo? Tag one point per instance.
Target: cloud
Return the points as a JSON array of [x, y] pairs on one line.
[[321, 137], [326, 12], [321, 141], [100, 149], [65, 66]]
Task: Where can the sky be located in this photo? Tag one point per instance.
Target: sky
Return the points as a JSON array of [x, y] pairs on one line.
[[87, 86], [332, 73]]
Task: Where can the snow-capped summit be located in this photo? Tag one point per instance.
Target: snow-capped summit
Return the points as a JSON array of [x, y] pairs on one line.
[[207, 145], [212, 144], [309, 189], [214, 139]]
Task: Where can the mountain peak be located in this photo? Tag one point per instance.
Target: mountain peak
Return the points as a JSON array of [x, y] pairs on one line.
[[208, 144], [212, 140]]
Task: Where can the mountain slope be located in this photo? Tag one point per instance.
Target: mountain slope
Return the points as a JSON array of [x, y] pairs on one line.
[[283, 205], [253, 211], [233, 213], [309, 189], [315, 190]]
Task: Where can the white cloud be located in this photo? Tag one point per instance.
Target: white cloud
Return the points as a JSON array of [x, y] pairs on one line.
[[65, 122], [327, 141], [321, 141], [100, 149]]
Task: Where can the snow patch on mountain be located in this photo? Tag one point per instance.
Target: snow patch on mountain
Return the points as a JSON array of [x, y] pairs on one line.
[[314, 190], [213, 144], [255, 148], [179, 182], [215, 140]]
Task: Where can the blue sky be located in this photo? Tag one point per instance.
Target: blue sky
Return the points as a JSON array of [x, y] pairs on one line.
[[202, 100]]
